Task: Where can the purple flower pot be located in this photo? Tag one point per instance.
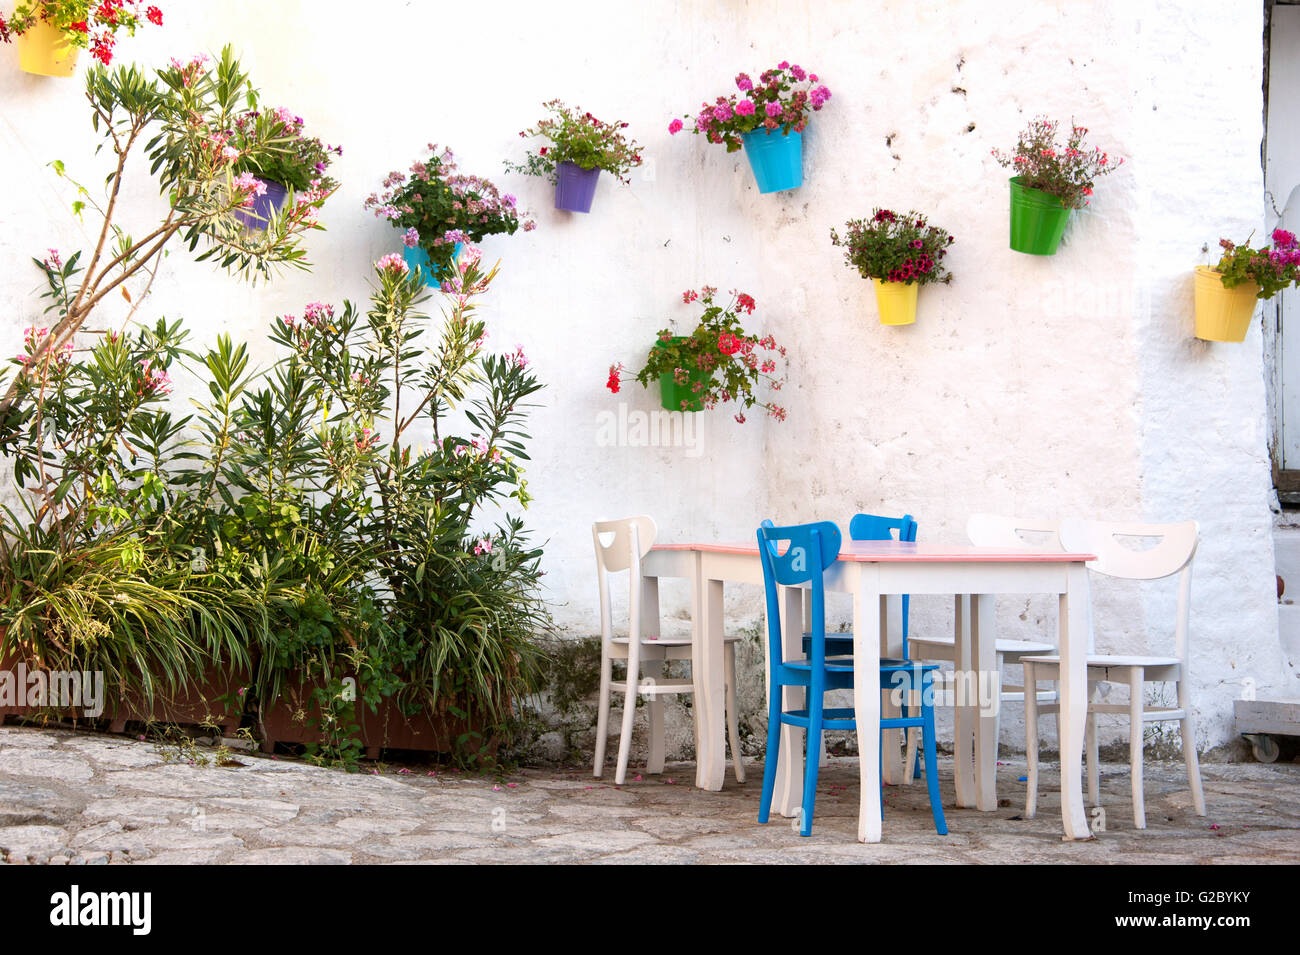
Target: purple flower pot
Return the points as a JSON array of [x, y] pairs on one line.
[[575, 187], [258, 214]]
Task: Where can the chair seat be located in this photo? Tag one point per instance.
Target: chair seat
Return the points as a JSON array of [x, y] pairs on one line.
[[669, 641], [1103, 660], [1005, 647]]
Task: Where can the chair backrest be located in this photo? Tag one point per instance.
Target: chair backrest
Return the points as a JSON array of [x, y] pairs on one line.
[[1171, 554], [631, 540], [995, 530], [871, 527], [811, 549]]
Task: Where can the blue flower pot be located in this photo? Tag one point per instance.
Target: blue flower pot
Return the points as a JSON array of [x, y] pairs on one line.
[[777, 159], [414, 255]]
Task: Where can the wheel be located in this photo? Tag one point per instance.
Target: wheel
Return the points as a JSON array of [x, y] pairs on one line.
[[1265, 748]]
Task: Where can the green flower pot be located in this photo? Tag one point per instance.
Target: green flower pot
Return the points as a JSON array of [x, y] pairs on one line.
[[671, 394], [1038, 220]]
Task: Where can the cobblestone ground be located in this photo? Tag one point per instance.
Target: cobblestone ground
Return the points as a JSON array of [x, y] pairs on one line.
[[80, 798]]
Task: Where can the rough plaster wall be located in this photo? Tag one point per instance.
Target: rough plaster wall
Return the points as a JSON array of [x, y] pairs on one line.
[[1032, 386], [1204, 430]]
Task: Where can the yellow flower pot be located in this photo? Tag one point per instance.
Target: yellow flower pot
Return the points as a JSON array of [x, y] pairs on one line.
[[896, 301], [45, 50], [1222, 314]]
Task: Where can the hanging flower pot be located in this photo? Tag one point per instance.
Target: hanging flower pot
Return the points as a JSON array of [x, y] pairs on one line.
[[1226, 295], [899, 252], [766, 119], [258, 215], [682, 396], [1038, 220], [575, 187], [45, 51], [1051, 179], [580, 147], [896, 302], [1222, 314], [776, 158], [414, 255], [718, 363]]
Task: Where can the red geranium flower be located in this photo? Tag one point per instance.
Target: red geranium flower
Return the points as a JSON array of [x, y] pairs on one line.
[[154, 15]]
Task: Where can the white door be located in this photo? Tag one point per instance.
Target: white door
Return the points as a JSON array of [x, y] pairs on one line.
[[1282, 182]]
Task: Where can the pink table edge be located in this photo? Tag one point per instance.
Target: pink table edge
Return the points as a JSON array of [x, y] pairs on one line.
[[891, 551]]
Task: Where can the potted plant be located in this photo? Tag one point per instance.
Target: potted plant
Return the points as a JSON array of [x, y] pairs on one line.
[[581, 146], [1226, 294], [767, 118], [292, 162], [439, 210], [50, 32], [718, 362], [1049, 181], [899, 253]]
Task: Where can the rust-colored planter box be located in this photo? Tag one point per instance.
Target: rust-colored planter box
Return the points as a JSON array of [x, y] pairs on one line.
[[290, 719], [218, 696]]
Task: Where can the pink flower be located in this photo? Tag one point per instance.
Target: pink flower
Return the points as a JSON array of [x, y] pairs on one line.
[[411, 238], [773, 109], [744, 83], [745, 108], [675, 126], [392, 263]]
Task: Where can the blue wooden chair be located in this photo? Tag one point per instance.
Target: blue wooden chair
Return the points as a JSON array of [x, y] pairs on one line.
[[812, 548], [870, 527]]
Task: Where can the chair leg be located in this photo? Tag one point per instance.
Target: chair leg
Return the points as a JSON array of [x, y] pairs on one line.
[[1187, 732], [773, 751], [815, 704], [1135, 683], [1031, 740], [625, 738], [733, 715], [912, 756], [654, 764], [602, 719], [932, 766], [1090, 748]]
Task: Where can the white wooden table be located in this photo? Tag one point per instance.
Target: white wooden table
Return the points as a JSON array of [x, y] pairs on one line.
[[873, 571]]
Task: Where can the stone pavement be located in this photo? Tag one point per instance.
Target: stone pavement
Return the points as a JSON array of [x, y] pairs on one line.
[[85, 798]]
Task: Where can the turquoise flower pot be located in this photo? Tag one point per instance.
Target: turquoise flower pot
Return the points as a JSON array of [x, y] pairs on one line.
[[777, 159], [414, 255]]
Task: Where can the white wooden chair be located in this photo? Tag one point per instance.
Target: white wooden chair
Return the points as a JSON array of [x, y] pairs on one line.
[[1172, 554], [992, 530], [631, 540]]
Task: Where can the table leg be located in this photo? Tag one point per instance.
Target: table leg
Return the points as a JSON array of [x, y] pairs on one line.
[[651, 625], [699, 640], [1073, 686], [710, 689], [789, 767], [964, 715], [868, 609], [891, 645], [983, 654]]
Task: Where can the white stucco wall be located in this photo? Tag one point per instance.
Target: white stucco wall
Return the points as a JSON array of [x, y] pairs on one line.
[[1053, 386]]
